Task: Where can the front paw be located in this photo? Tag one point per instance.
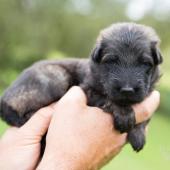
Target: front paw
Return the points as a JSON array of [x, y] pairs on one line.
[[136, 138], [124, 123]]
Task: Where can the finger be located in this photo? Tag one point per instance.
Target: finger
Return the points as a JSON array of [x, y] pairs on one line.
[[10, 131], [39, 122], [145, 109], [75, 95], [122, 139]]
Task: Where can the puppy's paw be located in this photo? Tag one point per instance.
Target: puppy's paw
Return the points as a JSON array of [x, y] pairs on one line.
[[124, 123], [136, 138], [10, 115]]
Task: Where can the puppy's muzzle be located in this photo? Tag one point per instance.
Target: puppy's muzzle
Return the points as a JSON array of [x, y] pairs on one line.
[[127, 94]]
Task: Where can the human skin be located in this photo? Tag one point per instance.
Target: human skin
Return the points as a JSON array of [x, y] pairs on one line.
[[87, 139], [20, 147], [79, 137]]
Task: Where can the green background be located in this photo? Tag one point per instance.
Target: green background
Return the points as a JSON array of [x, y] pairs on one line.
[[32, 30]]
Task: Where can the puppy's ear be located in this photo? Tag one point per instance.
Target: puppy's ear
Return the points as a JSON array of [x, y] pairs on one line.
[[156, 54], [96, 54]]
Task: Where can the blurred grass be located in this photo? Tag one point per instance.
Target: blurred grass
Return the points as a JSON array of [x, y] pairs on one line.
[[155, 155], [3, 127]]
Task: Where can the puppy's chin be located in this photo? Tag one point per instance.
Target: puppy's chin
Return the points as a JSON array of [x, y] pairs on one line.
[[127, 101]]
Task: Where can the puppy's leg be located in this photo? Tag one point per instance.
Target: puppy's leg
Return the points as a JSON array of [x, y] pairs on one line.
[[38, 86], [124, 121], [124, 117], [136, 136]]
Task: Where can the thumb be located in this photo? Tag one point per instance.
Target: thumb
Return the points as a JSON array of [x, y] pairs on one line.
[[145, 109], [38, 124], [74, 96]]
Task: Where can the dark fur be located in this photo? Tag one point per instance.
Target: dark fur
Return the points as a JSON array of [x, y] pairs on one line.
[[122, 71]]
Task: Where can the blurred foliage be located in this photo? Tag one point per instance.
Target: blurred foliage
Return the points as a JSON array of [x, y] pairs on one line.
[[32, 30]]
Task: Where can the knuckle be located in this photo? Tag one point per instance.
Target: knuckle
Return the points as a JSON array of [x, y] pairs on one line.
[[146, 113]]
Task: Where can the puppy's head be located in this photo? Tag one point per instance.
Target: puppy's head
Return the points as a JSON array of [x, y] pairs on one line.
[[125, 61]]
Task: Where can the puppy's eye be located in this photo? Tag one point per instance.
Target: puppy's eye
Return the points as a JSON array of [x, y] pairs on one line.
[[147, 61], [108, 58], [149, 64]]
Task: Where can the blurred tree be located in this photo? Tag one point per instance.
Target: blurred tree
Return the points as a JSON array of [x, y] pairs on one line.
[[30, 30]]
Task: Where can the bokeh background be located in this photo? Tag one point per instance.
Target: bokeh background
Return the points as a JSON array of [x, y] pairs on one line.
[[32, 30]]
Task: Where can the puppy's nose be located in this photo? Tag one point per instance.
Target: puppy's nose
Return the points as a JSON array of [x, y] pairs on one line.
[[127, 90]]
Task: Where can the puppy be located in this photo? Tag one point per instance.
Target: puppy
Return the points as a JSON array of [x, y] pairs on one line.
[[122, 70]]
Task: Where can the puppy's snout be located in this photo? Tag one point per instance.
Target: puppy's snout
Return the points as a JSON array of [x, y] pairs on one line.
[[127, 91]]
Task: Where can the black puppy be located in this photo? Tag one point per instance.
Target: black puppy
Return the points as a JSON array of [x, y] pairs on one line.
[[122, 71]]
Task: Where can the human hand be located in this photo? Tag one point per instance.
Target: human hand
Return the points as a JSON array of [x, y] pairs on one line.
[[82, 137], [20, 147]]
